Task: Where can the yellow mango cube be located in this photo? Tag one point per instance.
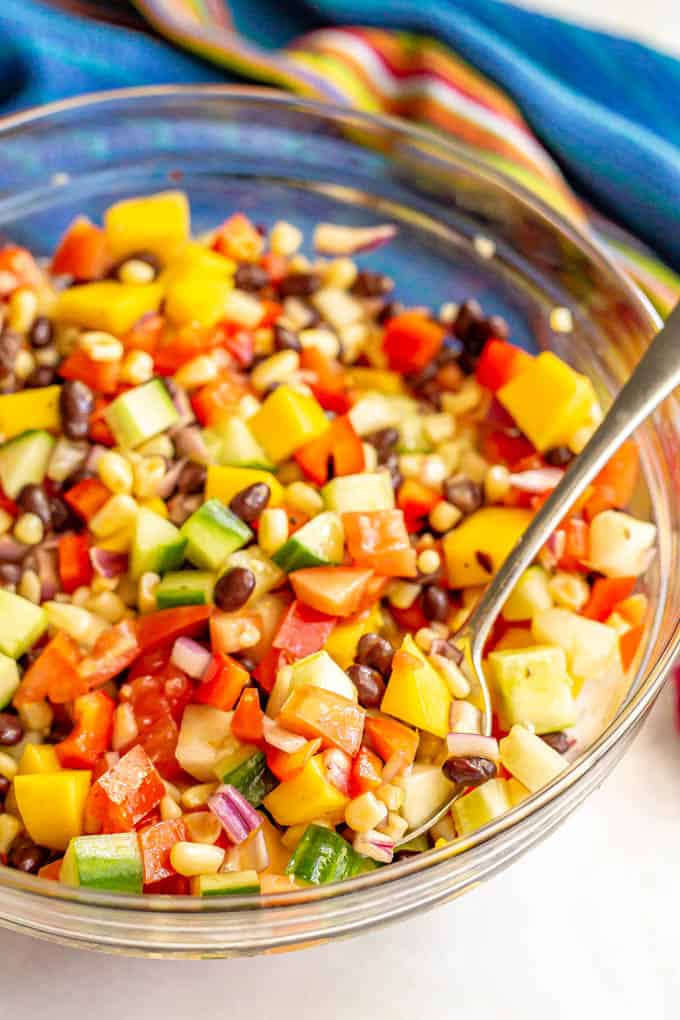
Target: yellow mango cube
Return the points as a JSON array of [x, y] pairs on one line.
[[224, 482], [38, 759], [416, 693], [196, 257], [306, 797], [380, 380], [30, 409], [157, 223], [156, 505], [483, 540], [195, 296], [52, 805], [286, 421], [344, 638], [107, 305], [549, 401]]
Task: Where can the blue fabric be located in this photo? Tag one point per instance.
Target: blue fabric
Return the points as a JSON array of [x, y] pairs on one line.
[[607, 108]]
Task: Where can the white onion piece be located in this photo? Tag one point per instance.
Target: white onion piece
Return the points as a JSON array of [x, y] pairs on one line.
[[190, 656], [464, 717], [335, 239], [537, 480], [472, 745], [277, 736]]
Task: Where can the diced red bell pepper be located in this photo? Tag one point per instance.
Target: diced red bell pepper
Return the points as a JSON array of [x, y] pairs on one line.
[[416, 500], [329, 382], [176, 349], [508, 448], [87, 497], [337, 591], [8, 505], [113, 652], [54, 674], [604, 595], [145, 334], [500, 362], [389, 737], [366, 772], [100, 376], [412, 339], [303, 630], [159, 741], [125, 794], [339, 448], [91, 735], [173, 885], [217, 400], [51, 871], [270, 313], [276, 266], [378, 539], [21, 269], [576, 545], [99, 430], [247, 721], [266, 670], [314, 712], [615, 484], [75, 568], [156, 842], [82, 252], [239, 342], [223, 681], [164, 626], [629, 643], [151, 662], [288, 764], [239, 239]]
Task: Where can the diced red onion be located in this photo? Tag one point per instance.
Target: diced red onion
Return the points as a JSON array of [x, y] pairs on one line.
[[94, 455], [108, 563], [375, 845], [188, 655], [537, 480], [472, 745], [189, 443], [235, 814], [180, 399], [170, 479], [335, 239], [47, 572], [337, 766], [12, 551], [277, 736]]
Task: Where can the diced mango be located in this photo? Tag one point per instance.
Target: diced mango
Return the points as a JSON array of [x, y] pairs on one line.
[[482, 540], [156, 505], [195, 256], [107, 305], [196, 296], [286, 420], [224, 482], [416, 693], [29, 409], [52, 805], [549, 401], [380, 380], [344, 638], [38, 759], [306, 797], [157, 223]]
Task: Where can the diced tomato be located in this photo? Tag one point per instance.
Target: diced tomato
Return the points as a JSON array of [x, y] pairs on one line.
[[240, 344], [100, 376], [151, 662], [247, 721], [219, 399], [75, 568], [315, 712], [20, 268], [87, 497], [268, 667], [91, 735], [125, 794], [99, 427], [615, 484], [173, 885], [378, 539], [337, 591], [411, 619], [113, 651], [156, 842], [223, 681], [54, 674], [412, 339], [416, 500], [159, 741], [82, 252], [629, 642], [366, 772], [145, 334], [389, 737], [286, 765], [329, 382], [303, 630], [604, 595], [164, 626], [339, 449], [500, 362]]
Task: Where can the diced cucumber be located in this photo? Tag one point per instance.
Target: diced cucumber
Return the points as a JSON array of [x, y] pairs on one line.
[[157, 545], [317, 543], [204, 737], [322, 856], [533, 686], [24, 460], [266, 573], [213, 532], [112, 861], [185, 588], [529, 759], [246, 769], [426, 789], [21, 624], [140, 413], [9, 680], [232, 444], [530, 595], [481, 805], [364, 492], [319, 670], [416, 845], [230, 883]]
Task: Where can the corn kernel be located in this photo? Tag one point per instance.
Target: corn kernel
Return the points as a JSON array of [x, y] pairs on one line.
[[392, 796], [321, 340], [439, 427], [370, 457], [146, 592], [569, 591], [108, 605], [199, 371], [444, 516], [428, 561], [22, 309], [279, 368], [101, 346], [81, 596], [116, 513], [290, 472], [125, 728], [148, 473], [48, 356], [202, 827], [137, 368], [169, 809], [10, 827], [299, 264], [197, 796], [29, 586], [190, 859], [24, 364], [452, 675], [304, 497], [296, 314], [115, 471], [8, 766], [243, 309], [284, 238], [424, 638], [450, 453], [340, 273], [402, 594], [29, 529], [465, 399], [273, 530], [100, 584], [393, 826], [496, 483], [473, 466], [36, 715], [411, 465], [136, 272], [365, 812], [263, 340]]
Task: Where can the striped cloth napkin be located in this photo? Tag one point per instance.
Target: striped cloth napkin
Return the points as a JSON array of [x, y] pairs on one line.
[[585, 120]]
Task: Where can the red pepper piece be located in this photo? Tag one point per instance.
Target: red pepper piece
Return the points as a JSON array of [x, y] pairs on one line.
[[75, 568], [91, 735]]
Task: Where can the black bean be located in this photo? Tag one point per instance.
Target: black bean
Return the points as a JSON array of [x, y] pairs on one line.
[[469, 771], [375, 651], [181, 507], [470, 312], [41, 332], [440, 646], [43, 375], [559, 741], [371, 284], [249, 503], [313, 315], [76, 403], [434, 603], [11, 730], [426, 375], [27, 857], [34, 500], [191, 478], [559, 456], [5, 785], [466, 495], [384, 441], [369, 684], [285, 339], [250, 276], [299, 284], [10, 573], [61, 515], [234, 588]]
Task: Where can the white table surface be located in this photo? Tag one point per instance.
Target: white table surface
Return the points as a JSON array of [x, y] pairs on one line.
[[585, 926]]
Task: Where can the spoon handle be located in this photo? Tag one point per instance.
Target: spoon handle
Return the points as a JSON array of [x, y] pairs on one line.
[[655, 377]]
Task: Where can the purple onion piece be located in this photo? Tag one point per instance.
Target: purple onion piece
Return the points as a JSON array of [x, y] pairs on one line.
[[180, 399], [335, 239], [95, 454], [108, 563], [189, 443], [235, 814], [47, 573], [169, 483], [12, 551], [188, 655], [537, 480]]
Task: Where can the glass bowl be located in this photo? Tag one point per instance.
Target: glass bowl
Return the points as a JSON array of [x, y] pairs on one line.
[[464, 231]]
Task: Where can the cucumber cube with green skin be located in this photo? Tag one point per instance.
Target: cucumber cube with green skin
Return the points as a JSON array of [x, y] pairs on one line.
[[530, 595], [534, 686], [319, 670], [185, 588], [9, 680], [481, 805], [415, 846], [318, 543], [234, 883], [112, 862], [213, 533], [232, 444], [140, 413], [157, 545], [21, 624], [322, 856], [246, 769], [24, 460], [426, 789], [352, 493]]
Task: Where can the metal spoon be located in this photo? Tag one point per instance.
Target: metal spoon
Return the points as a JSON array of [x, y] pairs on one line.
[[655, 377]]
